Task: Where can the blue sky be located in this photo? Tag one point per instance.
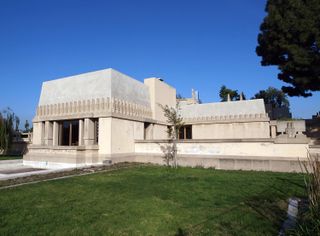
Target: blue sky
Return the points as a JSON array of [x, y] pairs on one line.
[[190, 44]]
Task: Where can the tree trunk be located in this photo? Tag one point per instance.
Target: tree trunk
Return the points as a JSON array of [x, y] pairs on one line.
[[175, 148]]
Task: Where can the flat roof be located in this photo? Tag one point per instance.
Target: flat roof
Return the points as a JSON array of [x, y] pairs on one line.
[[98, 84]]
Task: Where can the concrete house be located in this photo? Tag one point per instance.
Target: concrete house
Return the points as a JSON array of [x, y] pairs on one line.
[[106, 116]]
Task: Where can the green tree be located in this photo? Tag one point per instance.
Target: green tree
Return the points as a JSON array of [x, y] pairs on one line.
[[273, 96], [17, 122], [179, 96], [243, 96], [224, 92], [7, 120], [26, 126], [175, 122], [290, 39]]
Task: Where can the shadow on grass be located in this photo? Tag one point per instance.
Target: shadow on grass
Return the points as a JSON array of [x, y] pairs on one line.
[[181, 232], [272, 204], [196, 228], [288, 181], [269, 207], [268, 210]]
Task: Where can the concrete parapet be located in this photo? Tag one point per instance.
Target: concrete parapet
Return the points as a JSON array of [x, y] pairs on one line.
[[241, 118], [92, 108], [299, 125]]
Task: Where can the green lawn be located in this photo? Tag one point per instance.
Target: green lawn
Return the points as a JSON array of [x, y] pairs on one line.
[[151, 200], [9, 157]]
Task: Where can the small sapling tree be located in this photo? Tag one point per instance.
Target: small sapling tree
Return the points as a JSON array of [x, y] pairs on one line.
[[175, 122]]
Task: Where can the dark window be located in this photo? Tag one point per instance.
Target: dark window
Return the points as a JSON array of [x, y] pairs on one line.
[[147, 131], [96, 131], [185, 132], [69, 133], [181, 133], [189, 132]]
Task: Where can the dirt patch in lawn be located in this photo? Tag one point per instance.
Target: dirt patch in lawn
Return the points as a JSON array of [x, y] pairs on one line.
[[18, 171], [60, 174]]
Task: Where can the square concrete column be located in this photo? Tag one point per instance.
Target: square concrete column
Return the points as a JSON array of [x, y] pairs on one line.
[[273, 131], [38, 133], [88, 135], [48, 131], [42, 133], [55, 133], [81, 131]]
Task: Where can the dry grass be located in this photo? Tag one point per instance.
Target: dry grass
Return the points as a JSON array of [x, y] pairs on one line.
[[312, 181], [310, 224]]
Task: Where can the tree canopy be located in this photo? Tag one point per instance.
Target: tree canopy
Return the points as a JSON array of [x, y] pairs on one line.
[[179, 96], [290, 39], [26, 126], [7, 121], [224, 91], [273, 96]]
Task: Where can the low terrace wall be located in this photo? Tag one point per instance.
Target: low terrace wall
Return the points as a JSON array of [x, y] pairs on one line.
[[250, 154], [56, 157]]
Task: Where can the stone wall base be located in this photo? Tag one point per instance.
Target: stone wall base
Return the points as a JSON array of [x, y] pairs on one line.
[[275, 164], [61, 157], [53, 165], [57, 159]]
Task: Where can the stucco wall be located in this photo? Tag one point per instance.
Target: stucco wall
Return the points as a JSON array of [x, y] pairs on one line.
[[38, 132], [104, 135], [225, 162], [231, 130], [118, 135], [138, 130], [298, 125], [123, 133], [224, 148], [61, 156], [231, 108], [160, 131], [160, 93]]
